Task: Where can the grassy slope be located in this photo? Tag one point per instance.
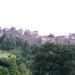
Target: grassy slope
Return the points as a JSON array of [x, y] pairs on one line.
[[5, 54], [15, 52]]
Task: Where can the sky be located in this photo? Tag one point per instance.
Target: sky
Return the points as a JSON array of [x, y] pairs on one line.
[[45, 16]]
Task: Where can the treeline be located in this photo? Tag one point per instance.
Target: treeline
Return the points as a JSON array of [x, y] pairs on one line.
[[8, 41], [54, 59]]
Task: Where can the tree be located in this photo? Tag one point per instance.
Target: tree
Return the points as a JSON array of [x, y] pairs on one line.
[[8, 43], [3, 36], [19, 41], [22, 68], [26, 44], [51, 35], [35, 48], [4, 71], [21, 60], [55, 59], [26, 47], [13, 69]]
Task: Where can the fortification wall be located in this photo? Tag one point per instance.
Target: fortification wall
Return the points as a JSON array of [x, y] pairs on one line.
[[31, 38], [60, 40], [34, 38]]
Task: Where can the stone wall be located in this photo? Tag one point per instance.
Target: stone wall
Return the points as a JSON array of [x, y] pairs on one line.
[[34, 37], [31, 38]]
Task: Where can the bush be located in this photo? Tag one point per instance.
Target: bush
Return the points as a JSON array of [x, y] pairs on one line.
[[4, 62], [4, 71], [22, 68], [28, 57], [13, 69], [21, 60], [9, 56]]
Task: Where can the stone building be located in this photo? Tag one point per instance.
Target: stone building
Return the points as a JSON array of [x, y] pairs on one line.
[[34, 37], [71, 36]]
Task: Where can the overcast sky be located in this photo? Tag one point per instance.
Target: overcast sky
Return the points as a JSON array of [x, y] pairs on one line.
[[45, 16]]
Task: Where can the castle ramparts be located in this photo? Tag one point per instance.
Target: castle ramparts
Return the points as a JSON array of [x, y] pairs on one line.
[[34, 37]]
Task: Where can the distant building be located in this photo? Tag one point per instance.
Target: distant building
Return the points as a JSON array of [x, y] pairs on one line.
[[71, 36], [34, 37], [13, 29]]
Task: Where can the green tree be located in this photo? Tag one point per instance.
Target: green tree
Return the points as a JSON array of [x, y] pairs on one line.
[[26, 48], [13, 69], [19, 41], [51, 35], [35, 48], [21, 60], [26, 44], [8, 43], [55, 59], [22, 68], [3, 36], [4, 71]]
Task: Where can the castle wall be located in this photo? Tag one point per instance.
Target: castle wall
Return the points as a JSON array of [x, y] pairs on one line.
[[31, 38], [34, 38], [60, 40], [1, 33]]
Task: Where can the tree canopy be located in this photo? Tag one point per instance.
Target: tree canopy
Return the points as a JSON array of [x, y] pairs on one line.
[[8, 43], [13, 69], [26, 47], [19, 41], [3, 36], [51, 35], [26, 44], [4, 71], [55, 59]]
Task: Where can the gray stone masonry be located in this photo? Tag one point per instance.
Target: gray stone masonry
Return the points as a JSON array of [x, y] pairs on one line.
[[34, 37]]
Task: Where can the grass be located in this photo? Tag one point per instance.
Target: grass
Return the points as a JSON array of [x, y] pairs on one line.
[[14, 53], [17, 52], [5, 54]]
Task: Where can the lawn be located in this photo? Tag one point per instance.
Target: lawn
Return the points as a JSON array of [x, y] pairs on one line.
[[5, 54], [17, 52]]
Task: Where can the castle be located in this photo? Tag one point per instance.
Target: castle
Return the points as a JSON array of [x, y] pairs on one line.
[[34, 37]]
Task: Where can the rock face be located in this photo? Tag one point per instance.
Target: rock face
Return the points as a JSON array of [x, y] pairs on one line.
[[34, 37]]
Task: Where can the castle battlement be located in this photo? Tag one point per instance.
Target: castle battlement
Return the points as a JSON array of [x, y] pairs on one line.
[[34, 37]]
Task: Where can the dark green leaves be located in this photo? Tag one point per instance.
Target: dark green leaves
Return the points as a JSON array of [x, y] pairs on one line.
[[55, 59]]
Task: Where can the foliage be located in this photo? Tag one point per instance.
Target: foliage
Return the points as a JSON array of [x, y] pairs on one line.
[[13, 69], [35, 48], [19, 41], [22, 68], [3, 36], [29, 65], [26, 44], [9, 56], [26, 48], [28, 57], [51, 35], [4, 62], [21, 60], [8, 43], [55, 59], [4, 71]]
